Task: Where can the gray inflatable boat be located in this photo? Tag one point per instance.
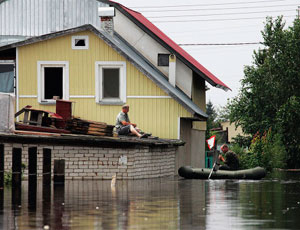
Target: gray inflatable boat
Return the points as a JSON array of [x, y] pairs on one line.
[[203, 173]]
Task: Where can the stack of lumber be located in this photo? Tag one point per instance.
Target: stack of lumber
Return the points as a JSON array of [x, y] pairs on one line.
[[80, 126]]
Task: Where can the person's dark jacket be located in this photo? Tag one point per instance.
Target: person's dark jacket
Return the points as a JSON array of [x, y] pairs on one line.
[[232, 160]]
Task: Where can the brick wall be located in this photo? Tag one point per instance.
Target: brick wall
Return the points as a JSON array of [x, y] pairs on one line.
[[102, 163]]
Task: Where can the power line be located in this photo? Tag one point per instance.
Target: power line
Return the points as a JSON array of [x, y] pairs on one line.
[[217, 4], [210, 9], [223, 19], [220, 44], [205, 15]]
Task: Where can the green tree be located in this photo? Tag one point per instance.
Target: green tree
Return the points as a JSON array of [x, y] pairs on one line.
[[270, 93], [212, 114]]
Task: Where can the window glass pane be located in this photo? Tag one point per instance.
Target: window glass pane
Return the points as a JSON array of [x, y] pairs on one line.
[[163, 60], [111, 82], [79, 42], [53, 82], [7, 78]]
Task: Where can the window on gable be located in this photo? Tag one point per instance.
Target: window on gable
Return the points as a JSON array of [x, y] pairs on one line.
[[52, 81], [80, 42], [111, 82], [163, 60]]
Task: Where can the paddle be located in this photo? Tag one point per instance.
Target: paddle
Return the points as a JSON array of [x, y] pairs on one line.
[[214, 165]]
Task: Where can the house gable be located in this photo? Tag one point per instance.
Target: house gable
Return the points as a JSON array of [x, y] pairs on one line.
[[143, 23], [153, 109], [141, 41]]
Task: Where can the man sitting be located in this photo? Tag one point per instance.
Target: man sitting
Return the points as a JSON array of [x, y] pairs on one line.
[[124, 126], [231, 159]]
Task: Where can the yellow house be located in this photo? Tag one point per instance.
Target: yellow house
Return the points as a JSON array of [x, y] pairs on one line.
[[52, 67], [233, 130], [130, 61]]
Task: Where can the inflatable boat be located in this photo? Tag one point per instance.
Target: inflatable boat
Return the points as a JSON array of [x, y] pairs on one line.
[[203, 173]]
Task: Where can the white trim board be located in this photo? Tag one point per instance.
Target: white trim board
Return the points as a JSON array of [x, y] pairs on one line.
[[28, 96], [82, 96], [149, 97], [93, 96], [17, 81]]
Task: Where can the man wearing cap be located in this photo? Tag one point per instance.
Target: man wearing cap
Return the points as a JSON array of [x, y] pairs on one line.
[[231, 159], [124, 126]]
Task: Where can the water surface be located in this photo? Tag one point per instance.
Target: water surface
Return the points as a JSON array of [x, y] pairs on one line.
[[166, 203]]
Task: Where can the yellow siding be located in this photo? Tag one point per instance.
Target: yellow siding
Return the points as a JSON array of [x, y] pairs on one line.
[[158, 116]]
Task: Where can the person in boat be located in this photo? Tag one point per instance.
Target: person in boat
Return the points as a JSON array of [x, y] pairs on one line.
[[231, 161], [124, 126]]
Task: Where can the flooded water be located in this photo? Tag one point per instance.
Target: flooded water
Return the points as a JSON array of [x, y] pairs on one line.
[[167, 203]]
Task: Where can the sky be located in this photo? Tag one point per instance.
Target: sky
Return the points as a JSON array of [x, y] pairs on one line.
[[206, 22]]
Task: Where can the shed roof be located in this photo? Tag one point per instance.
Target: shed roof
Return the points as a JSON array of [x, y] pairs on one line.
[[122, 47], [169, 44]]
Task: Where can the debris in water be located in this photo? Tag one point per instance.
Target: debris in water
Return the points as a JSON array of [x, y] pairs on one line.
[[113, 180]]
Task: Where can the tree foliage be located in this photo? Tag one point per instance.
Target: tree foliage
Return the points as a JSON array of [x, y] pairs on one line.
[[212, 114], [270, 93]]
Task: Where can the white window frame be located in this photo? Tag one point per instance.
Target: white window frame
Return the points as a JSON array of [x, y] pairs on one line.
[[86, 38], [41, 80], [99, 65]]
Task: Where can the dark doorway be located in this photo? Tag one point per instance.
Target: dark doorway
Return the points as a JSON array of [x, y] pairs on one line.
[[53, 82]]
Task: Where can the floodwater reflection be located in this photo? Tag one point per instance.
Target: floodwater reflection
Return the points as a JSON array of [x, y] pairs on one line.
[[167, 203]]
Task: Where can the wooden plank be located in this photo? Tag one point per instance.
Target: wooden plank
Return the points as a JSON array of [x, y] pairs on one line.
[[46, 166], [20, 126], [16, 167], [35, 133], [100, 134]]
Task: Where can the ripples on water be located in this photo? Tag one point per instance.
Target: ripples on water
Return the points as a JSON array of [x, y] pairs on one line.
[[167, 203]]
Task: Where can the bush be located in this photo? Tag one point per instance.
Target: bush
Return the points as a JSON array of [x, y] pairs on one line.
[[8, 175], [7, 178], [242, 141], [266, 151]]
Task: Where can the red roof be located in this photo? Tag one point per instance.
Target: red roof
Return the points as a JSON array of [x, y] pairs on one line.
[[144, 21]]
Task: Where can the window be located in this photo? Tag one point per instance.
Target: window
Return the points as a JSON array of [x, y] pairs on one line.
[[163, 60], [111, 83], [80, 42], [53, 81], [7, 74]]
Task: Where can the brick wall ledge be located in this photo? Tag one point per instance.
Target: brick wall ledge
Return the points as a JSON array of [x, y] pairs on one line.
[[88, 140]]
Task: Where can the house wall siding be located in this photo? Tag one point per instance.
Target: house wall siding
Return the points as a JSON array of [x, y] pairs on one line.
[[157, 114]]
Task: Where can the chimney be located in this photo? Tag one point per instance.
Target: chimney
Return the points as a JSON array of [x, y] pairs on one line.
[[106, 15], [172, 69]]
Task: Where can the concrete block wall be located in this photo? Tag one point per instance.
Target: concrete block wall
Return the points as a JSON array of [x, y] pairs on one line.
[[81, 163]]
